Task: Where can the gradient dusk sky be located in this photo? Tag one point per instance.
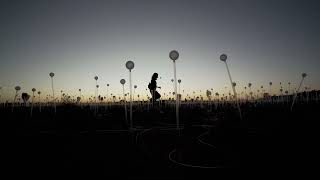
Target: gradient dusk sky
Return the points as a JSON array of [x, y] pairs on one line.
[[265, 40]]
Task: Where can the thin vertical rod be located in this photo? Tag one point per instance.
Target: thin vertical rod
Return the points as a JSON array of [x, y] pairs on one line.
[[39, 103], [54, 102], [295, 96], [175, 91], [95, 99], [131, 122], [14, 100], [32, 104], [125, 104], [234, 90]]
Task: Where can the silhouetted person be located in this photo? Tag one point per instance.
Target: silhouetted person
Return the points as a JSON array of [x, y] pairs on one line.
[[153, 88]]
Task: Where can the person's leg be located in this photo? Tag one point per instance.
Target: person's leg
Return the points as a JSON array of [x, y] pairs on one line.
[[153, 97], [157, 95]]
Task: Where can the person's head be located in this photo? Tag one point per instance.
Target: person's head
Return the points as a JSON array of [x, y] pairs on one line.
[[154, 76]]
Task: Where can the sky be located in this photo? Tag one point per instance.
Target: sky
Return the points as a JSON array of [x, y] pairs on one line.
[[274, 40]]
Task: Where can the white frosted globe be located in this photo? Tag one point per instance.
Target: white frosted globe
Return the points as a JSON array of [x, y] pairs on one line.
[[129, 65], [304, 75], [223, 57], [174, 55]]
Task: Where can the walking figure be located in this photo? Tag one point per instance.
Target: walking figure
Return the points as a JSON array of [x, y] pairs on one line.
[[153, 88]]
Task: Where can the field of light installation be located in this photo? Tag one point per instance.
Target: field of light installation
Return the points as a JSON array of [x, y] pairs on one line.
[[252, 127]]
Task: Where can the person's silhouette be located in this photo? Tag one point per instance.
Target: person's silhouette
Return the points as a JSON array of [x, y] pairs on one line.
[[153, 88]]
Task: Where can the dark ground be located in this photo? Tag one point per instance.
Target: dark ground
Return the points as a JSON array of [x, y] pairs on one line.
[[75, 141]]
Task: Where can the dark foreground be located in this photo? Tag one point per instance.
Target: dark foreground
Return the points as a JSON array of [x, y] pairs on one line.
[[76, 141]]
